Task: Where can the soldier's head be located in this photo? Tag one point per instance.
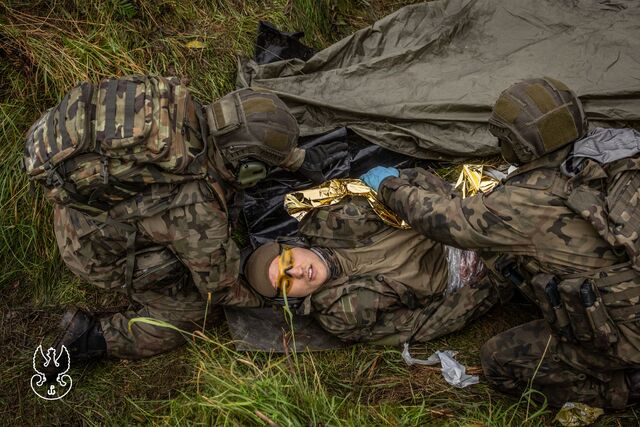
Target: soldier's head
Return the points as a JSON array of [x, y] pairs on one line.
[[535, 117], [251, 130], [277, 268]]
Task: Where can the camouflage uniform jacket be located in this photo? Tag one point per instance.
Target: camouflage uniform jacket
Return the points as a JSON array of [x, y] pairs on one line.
[[391, 287], [528, 219]]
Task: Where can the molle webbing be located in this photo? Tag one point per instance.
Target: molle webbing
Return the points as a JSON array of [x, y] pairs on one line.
[[110, 109], [129, 109], [51, 132], [62, 123]]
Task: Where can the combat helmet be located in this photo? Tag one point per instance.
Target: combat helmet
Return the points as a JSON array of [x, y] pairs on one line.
[[248, 130], [535, 117]]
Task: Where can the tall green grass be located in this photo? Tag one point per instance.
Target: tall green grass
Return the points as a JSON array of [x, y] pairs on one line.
[[353, 387]]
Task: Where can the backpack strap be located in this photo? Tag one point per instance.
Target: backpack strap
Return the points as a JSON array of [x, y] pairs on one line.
[[129, 108], [65, 138], [214, 181], [110, 111]]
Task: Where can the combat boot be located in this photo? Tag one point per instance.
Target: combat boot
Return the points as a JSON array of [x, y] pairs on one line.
[[82, 336]]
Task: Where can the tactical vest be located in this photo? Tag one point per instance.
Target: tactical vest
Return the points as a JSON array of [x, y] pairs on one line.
[[586, 307], [107, 142]]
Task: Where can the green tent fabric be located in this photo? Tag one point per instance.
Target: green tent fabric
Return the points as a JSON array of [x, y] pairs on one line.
[[422, 81]]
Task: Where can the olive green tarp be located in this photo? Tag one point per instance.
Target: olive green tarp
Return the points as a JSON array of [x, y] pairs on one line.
[[422, 81]]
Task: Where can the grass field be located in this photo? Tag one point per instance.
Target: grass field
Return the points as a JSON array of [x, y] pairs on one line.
[[48, 46]]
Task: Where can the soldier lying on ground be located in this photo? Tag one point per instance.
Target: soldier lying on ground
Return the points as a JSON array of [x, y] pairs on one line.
[[141, 176], [366, 281], [564, 229]]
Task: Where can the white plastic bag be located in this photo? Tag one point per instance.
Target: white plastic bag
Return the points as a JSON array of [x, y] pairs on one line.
[[465, 268]]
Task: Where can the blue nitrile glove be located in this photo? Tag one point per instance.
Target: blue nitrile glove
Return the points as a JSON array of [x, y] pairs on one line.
[[374, 176]]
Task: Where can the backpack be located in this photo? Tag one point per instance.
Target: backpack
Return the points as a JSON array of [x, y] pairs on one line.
[[106, 142], [608, 197]]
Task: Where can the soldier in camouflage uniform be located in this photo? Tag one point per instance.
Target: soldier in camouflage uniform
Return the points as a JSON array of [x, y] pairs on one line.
[[563, 229], [365, 281], [140, 175]]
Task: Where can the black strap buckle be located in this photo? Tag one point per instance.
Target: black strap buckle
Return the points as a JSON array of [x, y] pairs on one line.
[[511, 272], [54, 179], [104, 172]]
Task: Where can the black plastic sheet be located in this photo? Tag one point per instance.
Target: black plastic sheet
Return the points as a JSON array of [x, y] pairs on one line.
[[263, 205], [274, 45]]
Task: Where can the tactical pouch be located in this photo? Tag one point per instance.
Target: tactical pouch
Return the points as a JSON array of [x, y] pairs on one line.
[[547, 294], [587, 314], [147, 120], [576, 312], [605, 332]]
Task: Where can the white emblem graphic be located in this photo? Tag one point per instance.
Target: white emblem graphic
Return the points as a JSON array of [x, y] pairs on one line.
[[63, 381]]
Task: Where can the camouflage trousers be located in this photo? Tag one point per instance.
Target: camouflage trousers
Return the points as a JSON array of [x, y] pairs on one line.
[[181, 255], [561, 371]]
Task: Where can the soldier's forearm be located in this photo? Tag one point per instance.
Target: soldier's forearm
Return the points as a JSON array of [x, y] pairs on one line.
[[428, 212], [237, 295]]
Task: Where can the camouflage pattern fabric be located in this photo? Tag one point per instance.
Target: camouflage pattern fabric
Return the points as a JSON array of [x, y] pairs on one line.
[[137, 208], [183, 254], [105, 142], [381, 311], [567, 372], [392, 281], [608, 197], [527, 218], [351, 223]]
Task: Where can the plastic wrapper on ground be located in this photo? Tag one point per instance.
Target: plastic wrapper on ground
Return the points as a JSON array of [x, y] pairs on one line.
[[452, 371], [577, 414]]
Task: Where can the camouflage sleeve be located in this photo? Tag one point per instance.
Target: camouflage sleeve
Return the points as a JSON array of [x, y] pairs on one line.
[[369, 316], [198, 234], [365, 314], [430, 206], [217, 274], [455, 311], [239, 295]]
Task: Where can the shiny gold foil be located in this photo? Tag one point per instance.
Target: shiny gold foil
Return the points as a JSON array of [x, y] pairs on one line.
[[331, 192], [470, 182], [473, 181]]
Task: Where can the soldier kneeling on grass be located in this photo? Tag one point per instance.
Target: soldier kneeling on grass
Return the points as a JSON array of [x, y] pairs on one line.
[[365, 281], [563, 228], [141, 175]]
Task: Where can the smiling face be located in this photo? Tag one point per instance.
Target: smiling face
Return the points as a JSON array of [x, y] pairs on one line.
[[308, 273]]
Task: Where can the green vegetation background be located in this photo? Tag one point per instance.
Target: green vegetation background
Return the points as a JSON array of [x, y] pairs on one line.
[[46, 47]]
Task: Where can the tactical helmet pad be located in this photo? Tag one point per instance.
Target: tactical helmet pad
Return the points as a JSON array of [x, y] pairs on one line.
[[536, 117]]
